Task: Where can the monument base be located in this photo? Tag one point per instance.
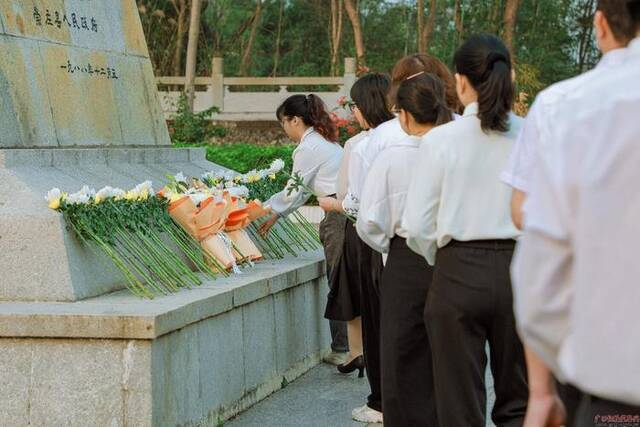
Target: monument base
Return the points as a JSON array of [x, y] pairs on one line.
[[41, 259], [196, 357]]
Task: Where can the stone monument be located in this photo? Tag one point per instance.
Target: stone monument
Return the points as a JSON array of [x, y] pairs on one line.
[[78, 105]]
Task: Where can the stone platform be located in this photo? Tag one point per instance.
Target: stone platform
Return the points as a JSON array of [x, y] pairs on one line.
[[41, 260], [194, 358]]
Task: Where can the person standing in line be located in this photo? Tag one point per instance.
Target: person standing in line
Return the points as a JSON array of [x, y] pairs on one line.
[[369, 107], [613, 30], [384, 135], [317, 160], [576, 271], [458, 218], [407, 377]]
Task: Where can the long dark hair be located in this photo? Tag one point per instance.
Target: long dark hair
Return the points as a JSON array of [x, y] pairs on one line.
[[412, 64], [424, 97], [369, 94], [634, 10], [486, 62], [312, 111]]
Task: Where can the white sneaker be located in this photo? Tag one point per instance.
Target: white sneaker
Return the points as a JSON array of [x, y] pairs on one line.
[[364, 414], [335, 358]]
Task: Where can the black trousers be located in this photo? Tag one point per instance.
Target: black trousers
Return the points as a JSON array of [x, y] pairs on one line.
[[407, 373], [571, 398], [369, 272], [597, 412], [469, 304]]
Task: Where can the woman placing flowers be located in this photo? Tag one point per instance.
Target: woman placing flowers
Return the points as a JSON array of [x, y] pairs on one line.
[[316, 162]]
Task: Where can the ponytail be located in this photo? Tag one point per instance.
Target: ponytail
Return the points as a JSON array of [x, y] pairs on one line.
[[424, 97], [312, 111], [486, 62]]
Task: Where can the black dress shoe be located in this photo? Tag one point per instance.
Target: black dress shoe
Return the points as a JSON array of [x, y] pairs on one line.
[[357, 363]]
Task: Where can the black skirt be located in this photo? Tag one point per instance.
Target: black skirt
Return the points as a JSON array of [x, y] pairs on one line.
[[343, 301]]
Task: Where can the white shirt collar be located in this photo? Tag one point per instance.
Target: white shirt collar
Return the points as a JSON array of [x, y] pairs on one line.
[[471, 109], [612, 57], [634, 46], [307, 133]]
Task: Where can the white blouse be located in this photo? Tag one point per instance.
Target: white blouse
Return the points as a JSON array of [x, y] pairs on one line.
[[518, 172], [343, 174], [317, 161], [385, 193], [576, 275], [455, 190], [363, 156]]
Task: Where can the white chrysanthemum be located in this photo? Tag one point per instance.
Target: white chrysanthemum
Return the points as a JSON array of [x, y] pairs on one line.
[[53, 195], [239, 191], [180, 177], [104, 194], [197, 198], [118, 193], [144, 189], [276, 166], [251, 176], [229, 184], [228, 175], [82, 197]]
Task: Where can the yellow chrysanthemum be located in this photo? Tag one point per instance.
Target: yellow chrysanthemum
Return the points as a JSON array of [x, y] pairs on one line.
[[55, 203]]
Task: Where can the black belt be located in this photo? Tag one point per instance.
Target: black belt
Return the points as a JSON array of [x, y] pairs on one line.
[[496, 244]]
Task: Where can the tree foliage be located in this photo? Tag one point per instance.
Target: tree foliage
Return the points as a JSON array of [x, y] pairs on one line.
[[552, 39]]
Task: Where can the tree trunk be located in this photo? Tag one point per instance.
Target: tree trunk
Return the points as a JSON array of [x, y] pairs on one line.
[[192, 51], [246, 56], [181, 10], [276, 56], [354, 17], [431, 22], [420, 23], [457, 13], [336, 34], [510, 19], [586, 30]]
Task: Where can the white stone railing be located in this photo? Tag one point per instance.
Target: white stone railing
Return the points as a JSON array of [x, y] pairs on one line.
[[239, 106]]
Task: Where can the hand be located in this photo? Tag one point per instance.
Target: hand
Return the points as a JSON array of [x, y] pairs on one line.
[[327, 204], [545, 411], [266, 226]]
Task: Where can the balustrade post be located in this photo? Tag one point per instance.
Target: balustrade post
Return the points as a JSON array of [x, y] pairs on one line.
[[349, 77], [217, 82]]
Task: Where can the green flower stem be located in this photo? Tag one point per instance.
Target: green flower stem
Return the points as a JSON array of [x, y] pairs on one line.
[[303, 232], [133, 283], [138, 262], [293, 235], [169, 260], [303, 222], [266, 243], [162, 264], [180, 267], [196, 255]]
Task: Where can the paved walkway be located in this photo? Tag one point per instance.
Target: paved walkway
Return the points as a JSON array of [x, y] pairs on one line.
[[320, 398]]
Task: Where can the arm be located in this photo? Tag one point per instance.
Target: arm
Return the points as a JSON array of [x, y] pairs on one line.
[[374, 224], [423, 199], [304, 164], [517, 201], [542, 267], [357, 173], [283, 204]]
